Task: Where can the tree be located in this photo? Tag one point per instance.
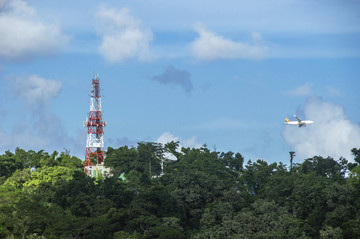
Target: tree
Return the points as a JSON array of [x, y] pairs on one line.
[[262, 220], [192, 190], [256, 175], [233, 162], [307, 201], [279, 186], [68, 161], [49, 175], [325, 167], [121, 159], [331, 233], [339, 205], [8, 166], [149, 158], [356, 153], [202, 194], [172, 148]]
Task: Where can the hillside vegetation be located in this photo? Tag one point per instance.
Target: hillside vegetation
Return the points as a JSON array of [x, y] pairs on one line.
[[201, 194]]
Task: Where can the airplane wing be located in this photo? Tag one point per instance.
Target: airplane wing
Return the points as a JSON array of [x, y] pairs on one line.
[[299, 120]]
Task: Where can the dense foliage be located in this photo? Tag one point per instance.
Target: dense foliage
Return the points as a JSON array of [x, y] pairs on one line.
[[201, 194]]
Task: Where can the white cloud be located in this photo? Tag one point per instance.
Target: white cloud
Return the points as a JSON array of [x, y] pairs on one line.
[[210, 46], [304, 90], [35, 90], [23, 35], [167, 137], [331, 135], [123, 36]]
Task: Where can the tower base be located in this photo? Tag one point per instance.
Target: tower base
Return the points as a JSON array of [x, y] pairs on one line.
[[98, 170]]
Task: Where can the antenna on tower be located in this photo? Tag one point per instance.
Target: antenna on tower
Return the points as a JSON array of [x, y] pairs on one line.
[[94, 155]]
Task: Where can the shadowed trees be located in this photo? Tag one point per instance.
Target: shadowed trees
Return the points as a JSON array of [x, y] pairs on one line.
[[202, 194]]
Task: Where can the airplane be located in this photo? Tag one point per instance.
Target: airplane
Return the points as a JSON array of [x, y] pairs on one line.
[[299, 122]]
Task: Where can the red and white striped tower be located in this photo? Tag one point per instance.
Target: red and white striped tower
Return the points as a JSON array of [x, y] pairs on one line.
[[94, 143]]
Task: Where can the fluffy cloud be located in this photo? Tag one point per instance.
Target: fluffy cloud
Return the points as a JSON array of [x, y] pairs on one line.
[[173, 76], [168, 137], [35, 90], [123, 36], [23, 35], [210, 46], [331, 135], [36, 127]]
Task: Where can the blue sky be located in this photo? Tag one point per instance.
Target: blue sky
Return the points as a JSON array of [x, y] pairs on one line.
[[221, 74]]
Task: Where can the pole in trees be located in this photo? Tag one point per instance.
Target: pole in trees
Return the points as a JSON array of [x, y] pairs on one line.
[[94, 155], [292, 154]]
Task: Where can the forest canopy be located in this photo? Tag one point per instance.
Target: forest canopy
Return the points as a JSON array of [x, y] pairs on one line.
[[200, 194]]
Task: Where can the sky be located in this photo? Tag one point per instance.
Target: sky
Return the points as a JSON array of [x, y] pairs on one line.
[[220, 73]]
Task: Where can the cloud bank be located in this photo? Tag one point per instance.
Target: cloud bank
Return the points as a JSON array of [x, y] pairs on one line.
[[35, 90], [331, 135], [23, 35], [210, 46], [36, 127], [123, 36], [173, 76], [167, 137]]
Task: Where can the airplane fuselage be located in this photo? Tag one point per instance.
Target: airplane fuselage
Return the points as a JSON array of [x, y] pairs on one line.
[[299, 122]]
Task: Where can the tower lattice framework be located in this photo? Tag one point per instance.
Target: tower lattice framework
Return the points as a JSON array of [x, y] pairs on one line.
[[94, 143]]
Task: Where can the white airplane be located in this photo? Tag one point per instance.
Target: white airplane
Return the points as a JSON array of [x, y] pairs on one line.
[[299, 122]]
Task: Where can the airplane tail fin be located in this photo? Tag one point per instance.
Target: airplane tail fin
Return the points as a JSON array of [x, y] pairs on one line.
[[287, 120]]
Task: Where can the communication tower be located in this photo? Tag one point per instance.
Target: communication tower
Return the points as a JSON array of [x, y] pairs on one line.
[[94, 156]]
